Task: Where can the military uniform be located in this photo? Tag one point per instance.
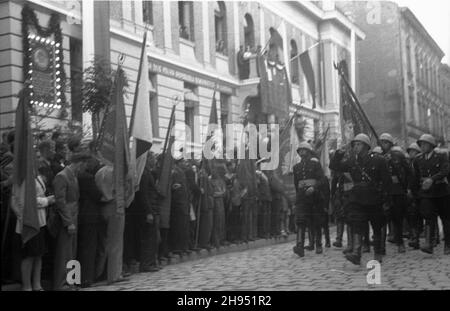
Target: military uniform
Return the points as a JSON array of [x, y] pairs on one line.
[[399, 173], [432, 201], [309, 206], [371, 183], [413, 215]]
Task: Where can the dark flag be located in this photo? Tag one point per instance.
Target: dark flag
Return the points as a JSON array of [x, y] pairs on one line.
[[114, 147], [288, 157], [353, 118], [274, 88], [164, 180], [308, 71], [24, 175]]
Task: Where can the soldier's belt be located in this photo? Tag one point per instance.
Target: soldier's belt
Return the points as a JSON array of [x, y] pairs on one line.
[[307, 183], [441, 181], [348, 186]]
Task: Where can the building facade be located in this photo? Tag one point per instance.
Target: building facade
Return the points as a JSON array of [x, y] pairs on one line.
[[398, 72], [193, 49]]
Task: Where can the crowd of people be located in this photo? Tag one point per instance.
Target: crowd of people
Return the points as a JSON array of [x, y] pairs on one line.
[[209, 208], [214, 204]]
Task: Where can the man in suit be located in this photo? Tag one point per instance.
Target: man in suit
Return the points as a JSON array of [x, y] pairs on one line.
[[67, 195]]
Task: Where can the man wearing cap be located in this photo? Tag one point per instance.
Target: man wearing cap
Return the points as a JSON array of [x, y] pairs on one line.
[[67, 195], [371, 183], [430, 184], [399, 172], [308, 178], [415, 221]]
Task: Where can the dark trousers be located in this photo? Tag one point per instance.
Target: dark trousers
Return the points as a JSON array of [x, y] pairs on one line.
[[233, 224], [149, 245], [88, 240], [430, 208], [164, 245], [264, 218], [246, 220], [66, 250], [398, 214], [275, 219], [358, 217]]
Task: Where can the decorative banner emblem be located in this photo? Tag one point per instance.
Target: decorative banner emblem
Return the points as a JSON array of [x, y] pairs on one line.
[[43, 61], [44, 71]]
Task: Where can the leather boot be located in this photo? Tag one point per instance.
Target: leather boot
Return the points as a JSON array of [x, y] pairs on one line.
[[437, 238], [383, 240], [446, 225], [428, 247], [355, 256], [318, 239], [310, 247], [390, 236], [326, 232], [349, 248], [366, 240], [414, 243], [299, 248], [339, 233]]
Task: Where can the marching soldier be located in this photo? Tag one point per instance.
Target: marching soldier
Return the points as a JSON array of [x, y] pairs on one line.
[[371, 183], [414, 219], [399, 173], [431, 186], [308, 178]]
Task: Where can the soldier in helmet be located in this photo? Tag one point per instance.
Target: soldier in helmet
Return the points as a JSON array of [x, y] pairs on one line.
[[308, 179], [399, 173], [371, 183], [415, 221], [430, 184]]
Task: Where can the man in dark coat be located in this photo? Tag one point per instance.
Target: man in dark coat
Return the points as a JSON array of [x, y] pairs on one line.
[[89, 223], [368, 194], [430, 185]]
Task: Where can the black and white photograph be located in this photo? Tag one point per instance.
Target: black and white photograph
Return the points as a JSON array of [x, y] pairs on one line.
[[225, 151]]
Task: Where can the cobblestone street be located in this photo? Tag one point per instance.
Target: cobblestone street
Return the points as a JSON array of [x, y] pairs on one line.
[[277, 268]]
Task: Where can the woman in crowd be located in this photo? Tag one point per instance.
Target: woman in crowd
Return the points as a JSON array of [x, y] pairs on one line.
[[35, 248]]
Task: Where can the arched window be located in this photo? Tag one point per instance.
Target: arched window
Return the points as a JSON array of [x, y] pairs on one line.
[[294, 62], [249, 31], [220, 24], [275, 46], [186, 19]]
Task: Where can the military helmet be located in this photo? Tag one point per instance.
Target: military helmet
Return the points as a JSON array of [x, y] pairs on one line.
[[397, 149], [377, 149], [427, 138], [304, 145], [414, 146], [362, 138], [387, 137]]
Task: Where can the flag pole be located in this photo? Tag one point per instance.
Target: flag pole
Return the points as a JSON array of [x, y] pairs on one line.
[[358, 104], [200, 183], [311, 47], [143, 58]]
